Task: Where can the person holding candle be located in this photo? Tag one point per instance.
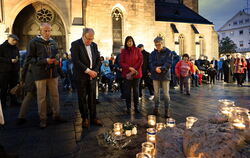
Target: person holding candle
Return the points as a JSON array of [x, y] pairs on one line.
[[131, 60], [160, 62]]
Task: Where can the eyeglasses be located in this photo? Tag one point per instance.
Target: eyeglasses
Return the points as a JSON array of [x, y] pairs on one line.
[[89, 39]]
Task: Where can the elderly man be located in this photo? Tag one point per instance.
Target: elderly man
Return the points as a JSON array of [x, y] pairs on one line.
[[160, 61], [42, 51], [9, 69], [86, 60]]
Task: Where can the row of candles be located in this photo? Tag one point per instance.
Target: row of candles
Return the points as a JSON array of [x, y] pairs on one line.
[[148, 148], [238, 117]]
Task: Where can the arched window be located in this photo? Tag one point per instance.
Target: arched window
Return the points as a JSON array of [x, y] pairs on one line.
[[117, 29], [181, 45], [202, 45]]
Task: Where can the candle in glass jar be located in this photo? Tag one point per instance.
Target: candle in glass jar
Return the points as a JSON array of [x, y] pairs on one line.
[[159, 126], [170, 122], [117, 128], [148, 148], [128, 133], [151, 135], [143, 155], [134, 130], [151, 120], [190, 121]]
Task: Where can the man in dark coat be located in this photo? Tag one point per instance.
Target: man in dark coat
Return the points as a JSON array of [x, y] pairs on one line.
[[228, 68], [9, 69], [145, 74], [86, 60]]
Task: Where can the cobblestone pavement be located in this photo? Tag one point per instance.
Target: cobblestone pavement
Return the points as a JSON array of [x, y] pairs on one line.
[[68, 140]]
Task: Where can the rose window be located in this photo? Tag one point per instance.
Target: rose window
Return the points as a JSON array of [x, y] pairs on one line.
[[44, 15]]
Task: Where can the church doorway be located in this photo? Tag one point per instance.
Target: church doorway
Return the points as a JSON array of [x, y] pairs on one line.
[[27, 22]]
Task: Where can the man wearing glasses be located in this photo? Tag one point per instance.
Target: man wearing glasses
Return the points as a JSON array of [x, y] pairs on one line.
[[160, 62], [86, 60]]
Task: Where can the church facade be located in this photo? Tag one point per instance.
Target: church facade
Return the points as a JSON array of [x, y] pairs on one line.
[[177, 21]]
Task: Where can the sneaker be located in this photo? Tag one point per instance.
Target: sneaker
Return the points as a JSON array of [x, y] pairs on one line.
[[151, 97], [43, 124]]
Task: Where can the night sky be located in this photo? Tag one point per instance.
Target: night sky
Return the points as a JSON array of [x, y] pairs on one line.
[[220, 11]]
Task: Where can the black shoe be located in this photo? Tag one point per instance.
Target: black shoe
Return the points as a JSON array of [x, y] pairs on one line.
[[97, 101], [188, 93], [136, 111], [21, 121], [59, 119], [128, 111]]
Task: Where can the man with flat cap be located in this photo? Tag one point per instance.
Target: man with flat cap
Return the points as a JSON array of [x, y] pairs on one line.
[[9, 69]]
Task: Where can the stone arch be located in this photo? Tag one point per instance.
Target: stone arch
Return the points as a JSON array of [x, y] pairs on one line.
[[26, 24]]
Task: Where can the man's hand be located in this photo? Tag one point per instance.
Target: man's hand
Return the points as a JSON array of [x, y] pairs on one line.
[[50, 61], [14, 60], [158, 69], [92, 74]]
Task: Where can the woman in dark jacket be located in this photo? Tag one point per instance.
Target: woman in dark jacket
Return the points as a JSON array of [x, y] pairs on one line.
[[131, 61]]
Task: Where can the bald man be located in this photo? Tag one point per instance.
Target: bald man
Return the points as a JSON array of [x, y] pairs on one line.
[[42, 51]]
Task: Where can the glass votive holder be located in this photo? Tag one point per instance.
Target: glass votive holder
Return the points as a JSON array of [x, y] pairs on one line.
[[134, 130], [118, 128], [148, 148], [239, 118], [143, 155], [128, 133], [160, 126], [151, 135], [151, 120], [190, 121], [170, 122], [226, 102]]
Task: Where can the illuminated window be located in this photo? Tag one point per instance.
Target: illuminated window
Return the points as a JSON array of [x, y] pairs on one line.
[[117, 29]]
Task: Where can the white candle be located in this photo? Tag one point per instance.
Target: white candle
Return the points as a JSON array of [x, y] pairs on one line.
[[118, 129], [128, 133], [151, 135], [159, 126], [143, 155], [151, 120], [148, 148], [134, 131], [170, 122], [239, 125], [190, 121]]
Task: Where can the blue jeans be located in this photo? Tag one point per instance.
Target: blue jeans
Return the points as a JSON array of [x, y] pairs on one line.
[[165, 86]]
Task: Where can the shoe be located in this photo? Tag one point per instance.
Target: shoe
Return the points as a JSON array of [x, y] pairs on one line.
[[181, 92], [85, 123], [97, 101], [59, 119], [156, 112], [21, 121], [167, 113], [136, 111], [151, 97], [128, 111], [140, 98], [43, 124], [188, 93], [97, 122]]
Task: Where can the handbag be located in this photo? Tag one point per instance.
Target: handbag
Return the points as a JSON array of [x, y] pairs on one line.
[[1, 115]]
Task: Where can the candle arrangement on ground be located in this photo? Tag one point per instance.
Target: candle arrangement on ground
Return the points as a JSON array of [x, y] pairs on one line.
[[190, 121]]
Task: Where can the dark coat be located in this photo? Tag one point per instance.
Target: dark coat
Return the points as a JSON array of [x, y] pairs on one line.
[[8, 52], [38, 51], [81, 59], [228, 69], [117, 66], [164, 59], [145, 65], [27, 78]]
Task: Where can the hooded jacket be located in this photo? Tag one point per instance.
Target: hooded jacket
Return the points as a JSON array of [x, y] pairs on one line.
[[8, 52], [38, 51]]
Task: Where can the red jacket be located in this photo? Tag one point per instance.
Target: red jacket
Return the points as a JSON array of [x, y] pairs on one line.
[[131, 57], [178, 68], [240, 65]]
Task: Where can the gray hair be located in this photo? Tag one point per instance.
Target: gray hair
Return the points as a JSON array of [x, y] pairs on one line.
[[42, 25], [158, 39], [87, 30]]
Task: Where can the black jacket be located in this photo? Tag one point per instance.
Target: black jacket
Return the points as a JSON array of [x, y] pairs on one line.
[[145, 65], [8, 52], [81, 60], [37, 53]]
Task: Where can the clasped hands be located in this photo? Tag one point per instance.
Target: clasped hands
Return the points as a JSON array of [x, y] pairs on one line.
[[158, 69]]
